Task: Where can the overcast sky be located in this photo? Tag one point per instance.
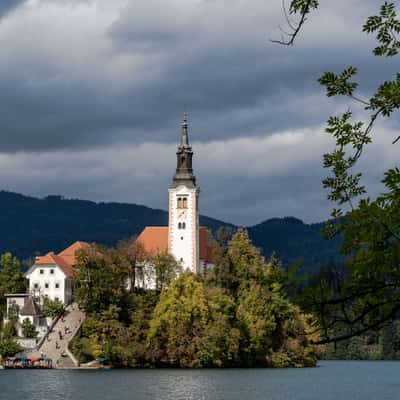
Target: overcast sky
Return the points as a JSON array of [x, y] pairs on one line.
[[93, 92]]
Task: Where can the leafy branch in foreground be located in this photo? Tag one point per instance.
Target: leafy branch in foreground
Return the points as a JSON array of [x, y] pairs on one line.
[[387, 27], [369, 297]]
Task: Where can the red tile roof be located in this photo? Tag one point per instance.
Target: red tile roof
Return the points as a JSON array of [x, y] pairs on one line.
[[69, 254], [53, 259], [66, 260], [155, 241]]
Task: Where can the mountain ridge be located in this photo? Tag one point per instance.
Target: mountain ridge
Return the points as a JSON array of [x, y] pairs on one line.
[[31, 225]]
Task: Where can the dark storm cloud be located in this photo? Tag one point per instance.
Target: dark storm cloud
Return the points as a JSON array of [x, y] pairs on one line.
[[92, 93], [234, 82]]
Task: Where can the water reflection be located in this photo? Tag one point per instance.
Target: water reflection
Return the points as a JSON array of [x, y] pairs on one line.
[[333, 381], [36, 385]]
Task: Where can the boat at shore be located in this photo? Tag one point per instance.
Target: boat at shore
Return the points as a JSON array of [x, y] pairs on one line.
[[27, 363]]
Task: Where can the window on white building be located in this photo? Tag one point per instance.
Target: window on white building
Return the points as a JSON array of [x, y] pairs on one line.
[[46, 285], [36, 286], [41, 272], [57, 285], [52, 271]]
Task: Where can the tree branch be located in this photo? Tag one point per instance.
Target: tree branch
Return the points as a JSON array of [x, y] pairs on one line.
[[358, 332], [295, 27]]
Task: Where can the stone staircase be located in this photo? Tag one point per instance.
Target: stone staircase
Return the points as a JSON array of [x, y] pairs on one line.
[[65, 362], [56, 346]]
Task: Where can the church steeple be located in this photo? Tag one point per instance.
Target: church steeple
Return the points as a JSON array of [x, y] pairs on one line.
[[184, 168], [185, 137]]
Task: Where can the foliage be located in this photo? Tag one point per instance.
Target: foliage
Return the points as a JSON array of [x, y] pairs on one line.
[[190, 327], [28, 329], [9, 329], [99, 279], [387, 27], [370, 296], [52, 308], [82, 349], [383, 344], [118, 334], [166, 270], [8, 346], [236, 315], [11, 278], [132, 256]]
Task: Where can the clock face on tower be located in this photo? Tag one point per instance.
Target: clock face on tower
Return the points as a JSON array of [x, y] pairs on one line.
[[181, 213]]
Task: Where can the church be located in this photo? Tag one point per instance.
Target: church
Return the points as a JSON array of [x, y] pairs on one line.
[[52, 276], [183, 237]]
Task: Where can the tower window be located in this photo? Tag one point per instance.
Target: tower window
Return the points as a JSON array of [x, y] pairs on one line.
[[182, 202], [183, 225], [181, 237], [179, 226]]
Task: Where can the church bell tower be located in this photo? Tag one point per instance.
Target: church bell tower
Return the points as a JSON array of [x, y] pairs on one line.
[[183, 228]]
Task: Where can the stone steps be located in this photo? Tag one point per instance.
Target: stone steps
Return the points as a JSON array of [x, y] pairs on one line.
[[55, 346]]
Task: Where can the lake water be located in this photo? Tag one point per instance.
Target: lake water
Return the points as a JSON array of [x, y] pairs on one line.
[[332, 380]]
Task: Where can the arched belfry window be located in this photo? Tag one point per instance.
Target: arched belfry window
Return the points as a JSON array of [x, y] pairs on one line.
[[179, 226], [184, 202], [180, 203], [183, 225]]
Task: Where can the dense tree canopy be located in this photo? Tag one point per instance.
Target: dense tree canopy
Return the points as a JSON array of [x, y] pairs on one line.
[[8, 346], [236, 315]]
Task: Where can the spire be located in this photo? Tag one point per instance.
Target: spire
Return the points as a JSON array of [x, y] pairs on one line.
[[184, 170], [185, 136]]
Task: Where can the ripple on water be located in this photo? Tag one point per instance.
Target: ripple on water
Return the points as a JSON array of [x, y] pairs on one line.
[[334, 380]]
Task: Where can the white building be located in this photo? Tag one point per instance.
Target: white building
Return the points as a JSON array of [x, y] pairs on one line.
[[51, 277], [182, 238]]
